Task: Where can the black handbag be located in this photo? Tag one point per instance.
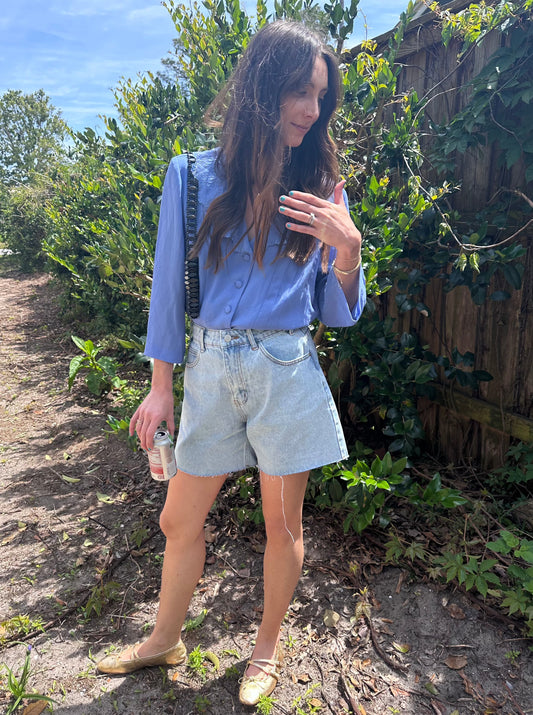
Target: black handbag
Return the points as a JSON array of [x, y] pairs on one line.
[[192, 278]]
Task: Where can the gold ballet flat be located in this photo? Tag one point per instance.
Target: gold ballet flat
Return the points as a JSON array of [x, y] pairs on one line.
[[254, 686], [115, 664]]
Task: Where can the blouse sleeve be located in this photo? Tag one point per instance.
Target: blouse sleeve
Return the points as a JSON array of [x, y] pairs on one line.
[[334, 310], [166, 321]]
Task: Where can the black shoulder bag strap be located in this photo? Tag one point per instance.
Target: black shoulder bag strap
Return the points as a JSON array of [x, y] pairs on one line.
[[192, 278]]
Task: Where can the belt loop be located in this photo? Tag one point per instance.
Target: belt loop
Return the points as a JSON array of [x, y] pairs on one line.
[[201, 338], [251, 338]]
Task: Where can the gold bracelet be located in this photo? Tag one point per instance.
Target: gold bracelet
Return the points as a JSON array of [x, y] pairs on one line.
[[346, 273]]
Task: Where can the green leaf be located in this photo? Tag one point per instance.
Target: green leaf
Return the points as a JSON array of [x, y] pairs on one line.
[[75, 366], [482, 586], [512, 276], [403, 221], [509, 538], [104, 498], [376, 467], [69, 480], [80, 343], [193, 623], [95, 383], [336, 491], [399, 465], [386, 464], [108, 365], [499, 295], [525, 551]]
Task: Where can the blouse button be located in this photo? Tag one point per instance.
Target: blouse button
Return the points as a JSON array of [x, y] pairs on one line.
[[238, 284], [245, 256], [227, 309]]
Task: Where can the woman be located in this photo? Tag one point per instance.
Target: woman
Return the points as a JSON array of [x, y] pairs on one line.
[[277, 249]]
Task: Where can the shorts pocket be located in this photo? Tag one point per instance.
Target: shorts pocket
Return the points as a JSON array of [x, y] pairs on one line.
[[193, 355], [284, 348]]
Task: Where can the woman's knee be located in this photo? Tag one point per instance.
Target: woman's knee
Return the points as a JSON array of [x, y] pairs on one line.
[[168, 525], [282, 530], [187, 505], [176, 528]]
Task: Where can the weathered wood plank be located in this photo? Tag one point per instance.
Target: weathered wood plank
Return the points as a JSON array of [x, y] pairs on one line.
[[508, 423]]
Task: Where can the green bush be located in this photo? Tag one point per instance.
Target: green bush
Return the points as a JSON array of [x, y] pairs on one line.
[[24, 223]]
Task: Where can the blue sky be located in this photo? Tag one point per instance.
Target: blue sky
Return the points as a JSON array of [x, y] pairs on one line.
[[78, 50]]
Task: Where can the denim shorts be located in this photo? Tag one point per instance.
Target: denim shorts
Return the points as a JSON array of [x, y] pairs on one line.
[[256, 397]]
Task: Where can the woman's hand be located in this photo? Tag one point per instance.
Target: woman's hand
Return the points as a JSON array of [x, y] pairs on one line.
[[329, 222], [157, 406]]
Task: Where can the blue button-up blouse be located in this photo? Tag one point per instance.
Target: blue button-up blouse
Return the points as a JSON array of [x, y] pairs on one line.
[[281, 295]]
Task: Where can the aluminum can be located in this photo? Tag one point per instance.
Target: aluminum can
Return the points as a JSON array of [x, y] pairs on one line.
[[161, 457]]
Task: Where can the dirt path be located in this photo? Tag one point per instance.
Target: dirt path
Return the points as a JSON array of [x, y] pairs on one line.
[[75, 503]]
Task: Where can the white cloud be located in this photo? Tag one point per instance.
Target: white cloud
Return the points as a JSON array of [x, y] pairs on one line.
[[144, 15], [92, 7]]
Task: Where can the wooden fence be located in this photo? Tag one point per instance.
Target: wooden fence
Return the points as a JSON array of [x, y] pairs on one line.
[[463, 426]]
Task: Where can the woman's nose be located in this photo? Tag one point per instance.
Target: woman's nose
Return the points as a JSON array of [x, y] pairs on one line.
[[313, 108]]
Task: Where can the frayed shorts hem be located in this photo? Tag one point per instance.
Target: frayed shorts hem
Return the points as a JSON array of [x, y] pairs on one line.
[[271, 472]]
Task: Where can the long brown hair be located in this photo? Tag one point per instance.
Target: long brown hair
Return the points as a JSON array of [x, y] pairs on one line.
[[252, 158]]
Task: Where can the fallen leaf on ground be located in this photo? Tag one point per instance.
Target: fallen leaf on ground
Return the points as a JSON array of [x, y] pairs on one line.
[[303, 677], [470, 688], [9, 538], [431, 688], [397, 691], [354, 682], [35, 708], [104, 498], [401, 647], [456, 662], [371, 682], [243, 573], [210, 534], [315, 703], [213, 658], [361, 664], [455, 611], [385, 630], [331, 618]]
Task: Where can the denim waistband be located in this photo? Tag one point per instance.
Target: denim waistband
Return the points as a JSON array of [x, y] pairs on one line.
[[231, 337]]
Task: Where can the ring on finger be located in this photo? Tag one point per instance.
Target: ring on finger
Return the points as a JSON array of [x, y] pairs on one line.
[[312, 219]]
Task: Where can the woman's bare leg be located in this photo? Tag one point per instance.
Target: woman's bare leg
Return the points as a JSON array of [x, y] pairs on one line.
[[282, 499], [182, 521]]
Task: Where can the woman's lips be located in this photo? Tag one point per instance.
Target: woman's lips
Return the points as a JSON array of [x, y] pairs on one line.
[[300, 128]]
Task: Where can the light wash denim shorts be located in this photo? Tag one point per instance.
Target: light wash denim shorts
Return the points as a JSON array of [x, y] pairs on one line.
[[256, 397]]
